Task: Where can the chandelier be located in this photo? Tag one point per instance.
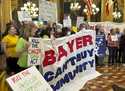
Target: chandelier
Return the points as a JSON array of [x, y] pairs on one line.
[[31, 8], [75, 6], [116, 14], [94, 9]]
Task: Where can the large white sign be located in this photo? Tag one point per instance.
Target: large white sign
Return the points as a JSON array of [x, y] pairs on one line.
[[48, 11], [109, 25], [69, 62], [28, 80]]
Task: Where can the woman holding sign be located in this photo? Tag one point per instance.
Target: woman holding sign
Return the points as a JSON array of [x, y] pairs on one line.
[[23, 45]]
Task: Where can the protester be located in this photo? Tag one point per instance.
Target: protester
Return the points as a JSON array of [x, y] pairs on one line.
[[10, 41], [22, 47], [122, 47], [101, 46], [118, 33], [112, 43]]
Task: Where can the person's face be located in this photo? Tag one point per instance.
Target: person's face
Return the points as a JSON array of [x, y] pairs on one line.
[[12, 30]]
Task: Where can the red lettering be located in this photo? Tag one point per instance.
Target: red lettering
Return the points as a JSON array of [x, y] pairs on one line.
[[87, 39], [70, 45], [79, 43], [49, 58], [62, 52], [16, 78], [36, 51], [25, 73]]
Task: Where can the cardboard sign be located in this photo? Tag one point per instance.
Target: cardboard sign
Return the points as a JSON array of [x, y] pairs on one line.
[[80, 20], [34, 54], [28, 80], [48, 11], [67, 22], [24, 16]]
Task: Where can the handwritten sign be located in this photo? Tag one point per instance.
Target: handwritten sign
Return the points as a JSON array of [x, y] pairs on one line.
[[80, 20], [67, 22], [28, 80], [34, 54], [24, 16], [48, 11], [68, 61]]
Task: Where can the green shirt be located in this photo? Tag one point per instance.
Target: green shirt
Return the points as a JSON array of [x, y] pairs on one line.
[[23, 56]]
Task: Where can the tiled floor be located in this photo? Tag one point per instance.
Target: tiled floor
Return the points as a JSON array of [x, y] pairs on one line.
[[110, 75]]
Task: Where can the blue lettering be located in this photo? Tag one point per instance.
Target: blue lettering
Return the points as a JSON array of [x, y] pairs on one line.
[[84, 54], [91, 63], [84, 65], [72, 60], [90, 52], [78, 57], [71, 76], [80, 68], [49, 76], [58, 72]]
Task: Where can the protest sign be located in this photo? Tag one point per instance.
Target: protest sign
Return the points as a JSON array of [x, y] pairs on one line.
[[69, 62], [100, 44], [34, 54], [67, 22], [28, 80], [24, 16], [48, 11], [109, 25], [80, 20]]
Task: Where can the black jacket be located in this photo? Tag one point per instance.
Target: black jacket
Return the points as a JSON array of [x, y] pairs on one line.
[[122, 41]]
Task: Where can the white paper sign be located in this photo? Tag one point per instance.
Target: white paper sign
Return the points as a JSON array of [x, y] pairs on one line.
[[24, 16], [48, 11], [34, 54], [79, 21], [28, 80], [69, 62], [67, 22]]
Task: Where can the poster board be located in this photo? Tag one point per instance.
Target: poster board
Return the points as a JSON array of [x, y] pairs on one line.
[[28, 80], [48, 11], [24, 16], [34, 54]]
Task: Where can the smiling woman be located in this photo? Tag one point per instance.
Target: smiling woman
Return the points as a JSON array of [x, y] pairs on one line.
[[10, 41]]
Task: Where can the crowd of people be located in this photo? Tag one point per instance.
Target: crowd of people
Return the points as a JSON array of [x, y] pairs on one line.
[[114, 42], [14, 43]]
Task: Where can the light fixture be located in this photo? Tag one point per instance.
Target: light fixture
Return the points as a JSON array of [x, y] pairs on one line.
[[94, 9], [31, 8], [75, 6], [116, 14]]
